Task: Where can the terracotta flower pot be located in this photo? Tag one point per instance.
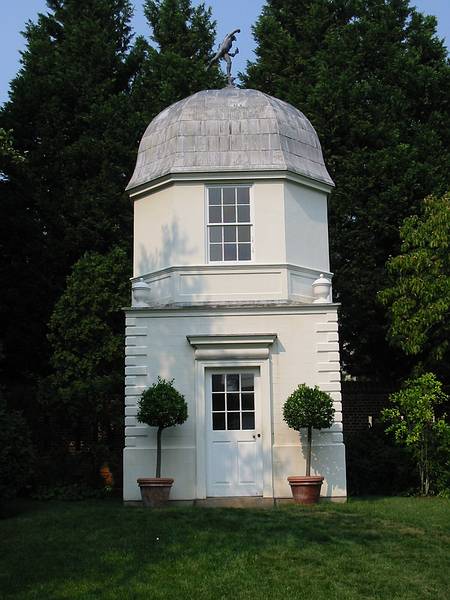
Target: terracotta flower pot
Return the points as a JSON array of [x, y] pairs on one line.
[[306, 490], [155, 491]]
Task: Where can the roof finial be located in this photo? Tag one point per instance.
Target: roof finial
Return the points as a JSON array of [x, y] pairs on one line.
[[225, 54]]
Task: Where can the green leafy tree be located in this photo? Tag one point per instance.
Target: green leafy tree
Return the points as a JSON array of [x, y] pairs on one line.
[[308, 408], [414, 423], [419, 295], [161, 406], [374, 79], [83, 399]]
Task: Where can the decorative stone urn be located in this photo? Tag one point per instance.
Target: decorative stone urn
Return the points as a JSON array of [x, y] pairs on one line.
[[321, 290], [141, 293]]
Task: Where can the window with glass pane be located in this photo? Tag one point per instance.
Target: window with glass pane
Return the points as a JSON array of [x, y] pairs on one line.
[[229, 226], [233, 401]]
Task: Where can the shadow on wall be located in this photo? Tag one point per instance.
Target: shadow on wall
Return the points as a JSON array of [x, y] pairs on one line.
[[331, 468], [168, 353], [175, 249]]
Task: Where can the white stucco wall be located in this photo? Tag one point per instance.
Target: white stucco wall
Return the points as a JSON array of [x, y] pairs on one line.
[[169, 228], [270, 294], [289, 236], [269, 225], [306, 350], [306, 226], [289, 225]]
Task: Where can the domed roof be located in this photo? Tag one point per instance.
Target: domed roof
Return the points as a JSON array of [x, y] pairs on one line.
[[229, 130]]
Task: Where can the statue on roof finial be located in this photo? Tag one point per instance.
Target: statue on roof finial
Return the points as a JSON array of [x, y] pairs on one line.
[[225, 54]]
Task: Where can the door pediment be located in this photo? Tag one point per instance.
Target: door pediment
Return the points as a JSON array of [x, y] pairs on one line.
[[251, 346]]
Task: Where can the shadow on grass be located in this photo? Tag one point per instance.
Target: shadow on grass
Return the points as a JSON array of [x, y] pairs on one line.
[[99, 549]]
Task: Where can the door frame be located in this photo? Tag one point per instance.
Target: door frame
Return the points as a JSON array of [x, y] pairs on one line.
[[201, 367], [210, 433]]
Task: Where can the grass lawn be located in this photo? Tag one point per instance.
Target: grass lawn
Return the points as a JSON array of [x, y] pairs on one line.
[[378, 548]]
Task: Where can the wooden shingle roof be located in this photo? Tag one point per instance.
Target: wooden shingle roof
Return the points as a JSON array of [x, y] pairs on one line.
[[233, 130]]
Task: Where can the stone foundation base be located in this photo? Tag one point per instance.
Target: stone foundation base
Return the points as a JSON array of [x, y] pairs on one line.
[[240, 502]]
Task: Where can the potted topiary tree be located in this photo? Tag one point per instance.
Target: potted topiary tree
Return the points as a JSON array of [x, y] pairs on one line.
[[161, 406], [308, 408]]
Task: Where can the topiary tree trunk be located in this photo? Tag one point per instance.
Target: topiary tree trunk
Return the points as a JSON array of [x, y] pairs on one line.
[[158, 451], [308, 452]]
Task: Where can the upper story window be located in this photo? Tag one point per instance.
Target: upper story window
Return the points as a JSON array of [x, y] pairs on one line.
[[229, 224]]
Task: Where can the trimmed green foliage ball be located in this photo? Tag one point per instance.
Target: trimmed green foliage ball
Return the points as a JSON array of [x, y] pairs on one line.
[[309, 408], [161, 405]]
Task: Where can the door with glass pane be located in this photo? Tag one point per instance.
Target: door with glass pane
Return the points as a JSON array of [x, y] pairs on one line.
[[234, 445]]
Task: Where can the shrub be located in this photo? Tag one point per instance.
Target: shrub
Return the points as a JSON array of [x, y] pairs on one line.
[[162, 406], [69, 492], [376, 464], [415, 425], [17, 456], [308, 408], [82, 400]]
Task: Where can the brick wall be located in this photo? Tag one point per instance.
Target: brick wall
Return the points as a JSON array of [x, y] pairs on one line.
[[361, 401]]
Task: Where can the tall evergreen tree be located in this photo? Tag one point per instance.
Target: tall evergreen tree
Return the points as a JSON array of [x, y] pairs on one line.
[[77, 109], [68, 110], [182, 40], [69, 114], [375, 81], [87, 348]]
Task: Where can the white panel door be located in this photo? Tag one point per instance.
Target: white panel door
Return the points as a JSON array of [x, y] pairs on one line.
[[233, 422]]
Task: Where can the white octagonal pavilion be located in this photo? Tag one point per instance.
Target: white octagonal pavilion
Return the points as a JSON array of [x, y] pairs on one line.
[[231, 296]]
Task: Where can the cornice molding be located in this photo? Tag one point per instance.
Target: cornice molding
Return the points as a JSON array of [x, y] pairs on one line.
[[226, 176], [217, 310]]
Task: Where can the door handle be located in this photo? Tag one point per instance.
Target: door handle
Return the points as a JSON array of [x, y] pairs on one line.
[[256, 435]]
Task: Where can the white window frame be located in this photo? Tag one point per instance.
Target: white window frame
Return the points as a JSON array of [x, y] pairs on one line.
[[240, 410], [208, 225]]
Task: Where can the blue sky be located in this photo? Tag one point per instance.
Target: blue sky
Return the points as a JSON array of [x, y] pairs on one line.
[[229, 15]]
